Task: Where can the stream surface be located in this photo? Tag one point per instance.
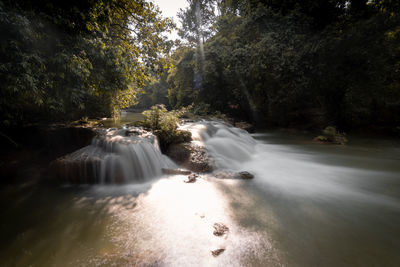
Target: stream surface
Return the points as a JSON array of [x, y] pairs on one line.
[[308, 205]]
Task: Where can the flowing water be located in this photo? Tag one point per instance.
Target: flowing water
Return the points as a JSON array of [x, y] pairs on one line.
[[124, 155], [308, 205], [126, 117]]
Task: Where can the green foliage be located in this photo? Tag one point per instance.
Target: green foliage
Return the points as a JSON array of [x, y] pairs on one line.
[[165, 125], [154, 92], [158, 118], [321, 138], [295, 64], [62, 61], [329, 131], [331, 135], [197, 21], [283, 63]]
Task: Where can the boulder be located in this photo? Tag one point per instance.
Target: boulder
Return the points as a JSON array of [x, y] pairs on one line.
[[191, 157], [220, 229], [245, 126], [245, 175], [180, 153], [192, 178], [233, 175], [217, 252], [74, 168], [331, 136]]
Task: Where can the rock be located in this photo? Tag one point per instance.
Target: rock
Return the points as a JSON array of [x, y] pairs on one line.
[[245, 126], [220, 229], [180, 153], [74, 168], [176, 171], [332, 136], [246, 175], [192, 178], [340, 139], [224, 175], [321, 138], [77, 167], [233, 175], [201, 215], [191, 157], [217, 252]]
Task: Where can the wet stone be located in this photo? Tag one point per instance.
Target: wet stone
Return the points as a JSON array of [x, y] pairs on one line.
[[246, 175], [233, 175], [191, 157], [192, 178], [220, 229], [217, 252]]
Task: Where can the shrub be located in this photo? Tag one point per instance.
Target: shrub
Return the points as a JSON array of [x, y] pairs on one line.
[[331, 135], [164, 124]]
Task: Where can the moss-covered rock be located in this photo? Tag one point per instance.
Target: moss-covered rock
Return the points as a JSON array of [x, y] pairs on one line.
[[332, 136]]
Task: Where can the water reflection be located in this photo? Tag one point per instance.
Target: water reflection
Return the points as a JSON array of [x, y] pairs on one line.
[[308, 205], [164, 223], [171, 225]]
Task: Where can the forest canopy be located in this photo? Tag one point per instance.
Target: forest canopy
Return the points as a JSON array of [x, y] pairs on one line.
[[292, 63], [287, 63], [68, 59]]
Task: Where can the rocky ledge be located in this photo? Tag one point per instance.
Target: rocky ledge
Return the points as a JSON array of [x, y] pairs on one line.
[[245, 126], [233, 175], [191, 157]]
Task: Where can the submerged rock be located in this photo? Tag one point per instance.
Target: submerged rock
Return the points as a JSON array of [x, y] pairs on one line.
[[245, 175], [217, 252], [190, 156], [192, 178], [233, 175], [220, 229], [176, 171]]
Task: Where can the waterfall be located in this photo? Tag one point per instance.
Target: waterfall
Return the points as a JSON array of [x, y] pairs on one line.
[[116, 156], [228, 146], [130, 154]]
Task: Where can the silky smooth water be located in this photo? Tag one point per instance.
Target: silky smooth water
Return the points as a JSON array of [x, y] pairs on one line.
[[308, 205], [126, 155], [125, 117]]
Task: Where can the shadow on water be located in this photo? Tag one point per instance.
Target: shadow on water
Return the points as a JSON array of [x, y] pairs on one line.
[[46, 225]]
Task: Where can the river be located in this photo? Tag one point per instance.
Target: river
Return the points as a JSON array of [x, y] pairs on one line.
[[308, 205]]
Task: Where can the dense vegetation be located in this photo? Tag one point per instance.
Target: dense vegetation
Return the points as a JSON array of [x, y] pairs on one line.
[[285, 63], [290, 63], [164, 125], [62, 60]]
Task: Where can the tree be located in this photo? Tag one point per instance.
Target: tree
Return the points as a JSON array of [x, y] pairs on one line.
[[81, 58], [298, 64], [197, 21]]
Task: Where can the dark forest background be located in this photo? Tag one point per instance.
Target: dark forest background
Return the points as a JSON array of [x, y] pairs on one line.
[[276, 63]]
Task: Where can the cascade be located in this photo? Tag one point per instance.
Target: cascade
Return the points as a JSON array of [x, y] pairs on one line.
[[228, 146], [122, 155]]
